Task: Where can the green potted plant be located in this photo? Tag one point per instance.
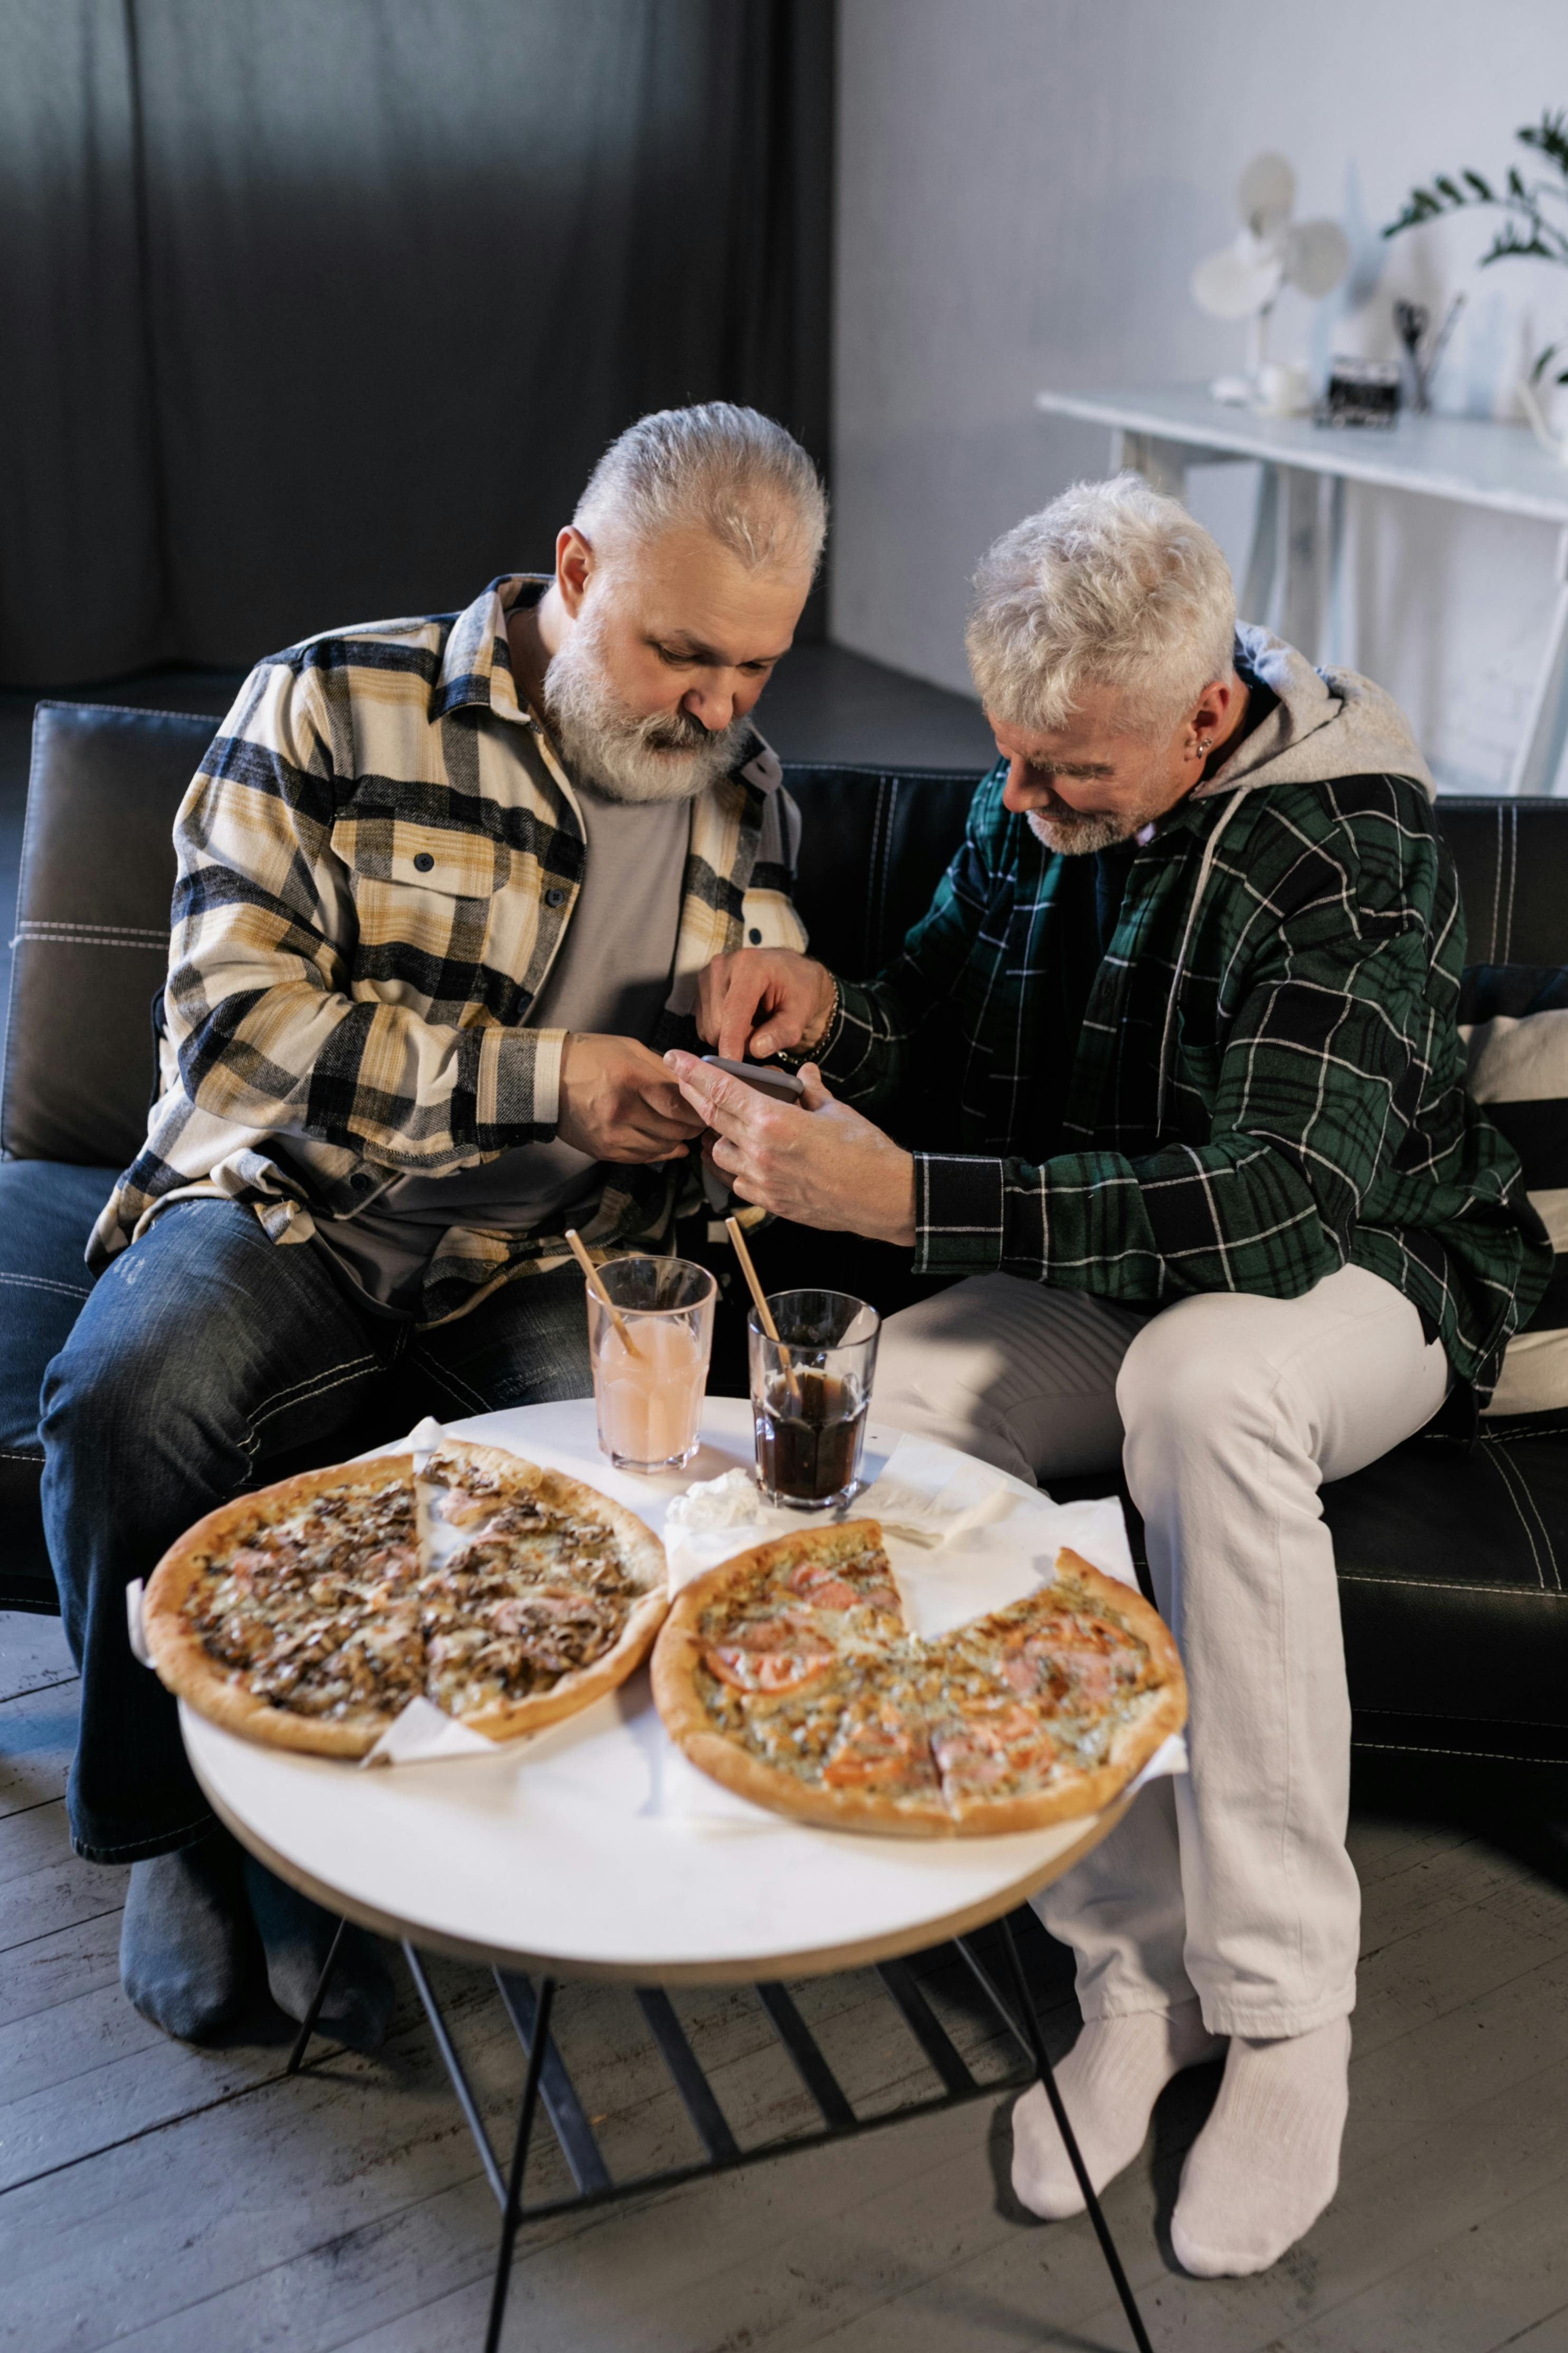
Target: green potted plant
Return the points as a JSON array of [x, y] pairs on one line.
[[1534, 228]]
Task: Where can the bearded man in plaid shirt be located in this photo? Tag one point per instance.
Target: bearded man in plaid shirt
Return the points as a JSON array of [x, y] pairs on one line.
[[445, 889], [1206, 1194]]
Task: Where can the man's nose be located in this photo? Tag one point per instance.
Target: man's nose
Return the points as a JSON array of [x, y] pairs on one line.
[[713, 705], [1025, 788]]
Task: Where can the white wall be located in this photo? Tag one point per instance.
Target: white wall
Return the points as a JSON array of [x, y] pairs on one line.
[[1023, 188]]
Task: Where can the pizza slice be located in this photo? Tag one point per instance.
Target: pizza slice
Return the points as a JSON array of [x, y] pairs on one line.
[[291, 1615]]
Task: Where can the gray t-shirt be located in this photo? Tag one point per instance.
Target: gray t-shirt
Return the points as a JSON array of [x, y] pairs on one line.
[[612, 974]]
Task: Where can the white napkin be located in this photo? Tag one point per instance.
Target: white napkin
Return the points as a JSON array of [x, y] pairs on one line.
[[423, 1441], [133, 1625], [425, 1730]]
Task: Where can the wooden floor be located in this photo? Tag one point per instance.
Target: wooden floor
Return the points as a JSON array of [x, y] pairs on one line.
[[157, 2196]]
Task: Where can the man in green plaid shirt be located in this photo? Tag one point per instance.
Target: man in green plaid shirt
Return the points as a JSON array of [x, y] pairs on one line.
[[1202, 1190]]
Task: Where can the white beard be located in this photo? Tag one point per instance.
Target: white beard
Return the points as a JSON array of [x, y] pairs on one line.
[[668, 756], [1074, 837]]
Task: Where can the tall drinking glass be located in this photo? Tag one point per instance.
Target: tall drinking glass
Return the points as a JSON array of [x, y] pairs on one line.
[[810, 1392], [648, 1384]]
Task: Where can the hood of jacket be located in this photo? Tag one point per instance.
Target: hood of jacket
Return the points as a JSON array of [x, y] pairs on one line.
[[1327, 724]]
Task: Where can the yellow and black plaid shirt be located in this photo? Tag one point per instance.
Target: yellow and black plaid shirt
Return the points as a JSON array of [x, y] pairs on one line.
[[378, 859]]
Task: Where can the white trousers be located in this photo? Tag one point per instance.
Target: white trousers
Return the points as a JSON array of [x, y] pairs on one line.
[[1229, 1412]]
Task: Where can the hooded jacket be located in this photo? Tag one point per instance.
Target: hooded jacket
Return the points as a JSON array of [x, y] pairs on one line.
[[1226, 1058]]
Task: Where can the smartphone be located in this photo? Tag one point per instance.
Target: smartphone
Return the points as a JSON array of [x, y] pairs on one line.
[[782, 1085]]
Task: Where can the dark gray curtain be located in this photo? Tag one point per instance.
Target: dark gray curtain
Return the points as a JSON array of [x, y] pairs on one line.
[[321, 310]]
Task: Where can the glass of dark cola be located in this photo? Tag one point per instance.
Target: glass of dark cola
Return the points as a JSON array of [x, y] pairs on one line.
[[810, 1392]]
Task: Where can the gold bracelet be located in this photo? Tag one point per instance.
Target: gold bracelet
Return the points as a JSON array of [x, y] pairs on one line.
[[792, 1057]]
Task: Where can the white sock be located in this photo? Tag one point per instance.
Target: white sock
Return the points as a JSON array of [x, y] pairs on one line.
[[1109, 2082], [1268, 2161]]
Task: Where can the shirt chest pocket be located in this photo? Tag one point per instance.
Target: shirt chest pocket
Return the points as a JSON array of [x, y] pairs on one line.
[[426, 897], [453, 865]]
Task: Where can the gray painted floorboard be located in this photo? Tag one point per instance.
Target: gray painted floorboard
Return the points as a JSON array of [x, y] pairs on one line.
[[169, 2200]]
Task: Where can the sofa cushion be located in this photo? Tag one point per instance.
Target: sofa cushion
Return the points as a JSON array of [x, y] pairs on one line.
[[93, 936], [874, 846], [1514, 1021], [47, 1211], [1509, 855], [1453, 1570]]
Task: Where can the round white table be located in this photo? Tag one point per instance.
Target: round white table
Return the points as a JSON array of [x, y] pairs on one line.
[[594, 1851]]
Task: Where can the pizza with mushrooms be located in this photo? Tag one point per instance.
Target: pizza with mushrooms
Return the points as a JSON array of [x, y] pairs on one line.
[[309, 1614]]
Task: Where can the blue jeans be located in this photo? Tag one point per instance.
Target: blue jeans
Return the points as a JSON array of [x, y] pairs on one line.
[[204, 1352]]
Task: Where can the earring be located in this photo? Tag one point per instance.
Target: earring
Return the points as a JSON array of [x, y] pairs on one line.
[[1204, 744]]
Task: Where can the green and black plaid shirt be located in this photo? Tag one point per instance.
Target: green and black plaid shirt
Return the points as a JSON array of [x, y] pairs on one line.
[[1315, 1110]]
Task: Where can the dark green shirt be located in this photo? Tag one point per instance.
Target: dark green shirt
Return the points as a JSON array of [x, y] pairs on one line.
[[1299, 1106]]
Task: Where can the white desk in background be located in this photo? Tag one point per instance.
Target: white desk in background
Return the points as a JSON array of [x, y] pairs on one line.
[[1295, 581]]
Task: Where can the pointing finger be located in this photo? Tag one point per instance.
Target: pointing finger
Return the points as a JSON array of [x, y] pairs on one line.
[[735, 1022]]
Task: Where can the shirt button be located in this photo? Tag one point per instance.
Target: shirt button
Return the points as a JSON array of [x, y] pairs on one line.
[[362, 1181], [553, 898], [754, 937], [424, 863]]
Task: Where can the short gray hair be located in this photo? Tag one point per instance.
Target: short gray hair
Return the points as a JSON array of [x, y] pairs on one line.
[[1111, 584], [730, 471]]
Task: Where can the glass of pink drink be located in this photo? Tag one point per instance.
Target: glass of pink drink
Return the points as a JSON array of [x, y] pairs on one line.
[[649, 1385]]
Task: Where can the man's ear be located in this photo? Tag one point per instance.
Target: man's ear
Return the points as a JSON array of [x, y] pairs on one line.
[[1213, 714], [573, 566]]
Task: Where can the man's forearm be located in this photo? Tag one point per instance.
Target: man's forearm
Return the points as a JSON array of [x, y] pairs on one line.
[[298, 1058], [1233, 1216]]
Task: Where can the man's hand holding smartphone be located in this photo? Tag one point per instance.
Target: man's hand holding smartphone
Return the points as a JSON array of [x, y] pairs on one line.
[[618, 1102], [811, 1159]]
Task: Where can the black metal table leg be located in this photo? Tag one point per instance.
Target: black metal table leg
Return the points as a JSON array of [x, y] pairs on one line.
[[548, 2085], [512, 2213], [1031, 2026], [456, 2075], [308, 2024]]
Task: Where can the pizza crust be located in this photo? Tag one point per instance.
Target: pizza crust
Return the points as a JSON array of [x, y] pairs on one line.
[[187, 1667], [679, 1653], [219, 1693]]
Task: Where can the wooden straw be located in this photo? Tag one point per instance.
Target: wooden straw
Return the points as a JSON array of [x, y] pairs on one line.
[[765, 1313], [574, 1244]]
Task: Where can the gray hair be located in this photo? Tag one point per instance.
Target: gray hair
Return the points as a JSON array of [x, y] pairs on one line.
[[730, 471], [1112, 584]]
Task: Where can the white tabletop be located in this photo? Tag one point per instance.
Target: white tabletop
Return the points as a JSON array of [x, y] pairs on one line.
[[595, 1850], [1473, 459]]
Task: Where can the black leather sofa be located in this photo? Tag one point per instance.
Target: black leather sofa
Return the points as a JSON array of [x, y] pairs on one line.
[[1451, 1555]]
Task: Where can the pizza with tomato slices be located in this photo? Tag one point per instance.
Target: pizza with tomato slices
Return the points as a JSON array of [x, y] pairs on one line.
[[791, 1676], [309, 1614]]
